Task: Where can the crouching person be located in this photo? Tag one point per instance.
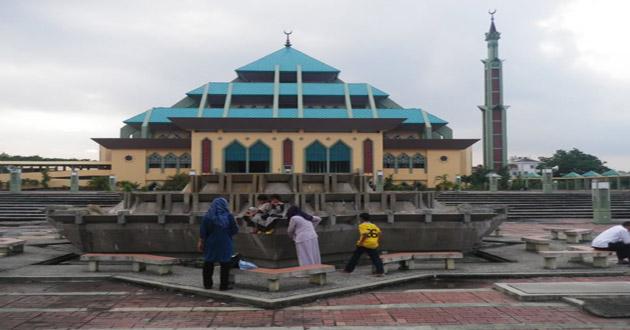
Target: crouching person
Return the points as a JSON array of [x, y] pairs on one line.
[[368, 242]]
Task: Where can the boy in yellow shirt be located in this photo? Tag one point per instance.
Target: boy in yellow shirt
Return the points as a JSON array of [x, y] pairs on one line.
[[368, 242]]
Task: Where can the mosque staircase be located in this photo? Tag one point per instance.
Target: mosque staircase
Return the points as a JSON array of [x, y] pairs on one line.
[[31, 206], [536, 205]]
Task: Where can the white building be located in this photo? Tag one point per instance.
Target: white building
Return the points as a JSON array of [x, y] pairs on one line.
[[521, 166]]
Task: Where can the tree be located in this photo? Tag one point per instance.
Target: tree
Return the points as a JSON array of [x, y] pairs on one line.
[[573, 161], [7, 157], [45, 178], [477, 179]]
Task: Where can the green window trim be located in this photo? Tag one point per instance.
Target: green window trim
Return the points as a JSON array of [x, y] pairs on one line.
[[316, 158], [235, 158], [259, 158]]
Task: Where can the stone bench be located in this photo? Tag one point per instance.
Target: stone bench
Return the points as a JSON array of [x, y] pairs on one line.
[[587, 249], [9, 246], [406, 260], [579, 235], [536, 243], [448, 257], [138, 261], [600, 258], [316, 273], [402, 259], [573, 235]]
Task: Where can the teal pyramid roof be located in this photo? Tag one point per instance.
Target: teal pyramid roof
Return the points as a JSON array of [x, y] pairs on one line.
[[572, 175], [610, 173], [288, 59], [591, 174], [532, 175]]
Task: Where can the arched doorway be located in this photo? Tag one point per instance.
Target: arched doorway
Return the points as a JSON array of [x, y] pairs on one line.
[[259, 158], [235, 157], [316, 158], [340, 156]]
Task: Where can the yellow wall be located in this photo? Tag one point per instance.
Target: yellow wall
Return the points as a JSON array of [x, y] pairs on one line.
[[459, 162], [135, 170], [132, 170], [273, 140]]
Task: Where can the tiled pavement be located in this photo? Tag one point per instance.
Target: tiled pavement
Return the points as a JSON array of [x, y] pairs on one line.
[[109, 304]]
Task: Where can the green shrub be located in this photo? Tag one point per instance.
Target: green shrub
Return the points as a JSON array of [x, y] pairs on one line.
[[128, 186], [443, 183], [99, 183], [176, 182]]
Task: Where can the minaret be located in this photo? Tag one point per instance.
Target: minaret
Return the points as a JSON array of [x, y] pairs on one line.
[[494, 114]]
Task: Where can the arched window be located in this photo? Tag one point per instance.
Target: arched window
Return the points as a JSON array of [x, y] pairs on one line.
[[368, 156], [155, 161], [259, 158], [206, 156], [418, 161], [185, 161], [170, 161], [235, 158], [316, 158], [340, 155], [403, 161], [389, 161]]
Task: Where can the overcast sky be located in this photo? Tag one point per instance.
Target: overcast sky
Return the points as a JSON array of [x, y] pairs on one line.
[[72, 70]]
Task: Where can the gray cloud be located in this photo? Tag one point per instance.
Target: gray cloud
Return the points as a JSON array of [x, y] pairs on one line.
[[75, 69]]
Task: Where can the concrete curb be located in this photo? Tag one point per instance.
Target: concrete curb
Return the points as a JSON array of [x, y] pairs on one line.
[[260, 301], [510, 290], [271, 303]]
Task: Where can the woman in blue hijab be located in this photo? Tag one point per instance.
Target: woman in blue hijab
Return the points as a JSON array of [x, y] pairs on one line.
[[215, 240]]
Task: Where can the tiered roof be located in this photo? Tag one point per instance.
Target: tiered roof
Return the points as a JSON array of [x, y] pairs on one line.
[[254, 94]]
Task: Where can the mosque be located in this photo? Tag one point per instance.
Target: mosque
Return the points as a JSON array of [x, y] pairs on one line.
[[288, 112]]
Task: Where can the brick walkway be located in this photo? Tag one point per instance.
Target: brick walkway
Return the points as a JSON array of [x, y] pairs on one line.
[[112, 304]]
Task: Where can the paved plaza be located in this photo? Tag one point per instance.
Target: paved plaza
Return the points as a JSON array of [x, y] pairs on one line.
[[34, 295]]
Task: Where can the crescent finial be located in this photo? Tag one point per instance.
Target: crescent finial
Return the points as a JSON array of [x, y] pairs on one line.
[[492, 12], [288, 42]]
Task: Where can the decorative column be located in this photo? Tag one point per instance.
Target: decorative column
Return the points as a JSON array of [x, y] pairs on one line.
[[194, 183], [16, 180], [112, 183], [379, 181], [601, 202], [74, 181], [547, 180], [493, 180]]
